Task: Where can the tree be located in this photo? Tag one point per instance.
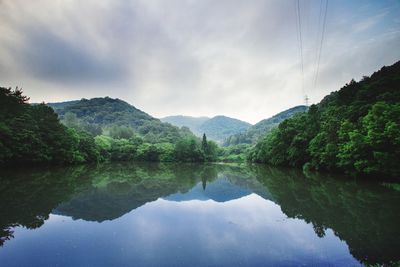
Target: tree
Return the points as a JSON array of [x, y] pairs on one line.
[[204, 144]]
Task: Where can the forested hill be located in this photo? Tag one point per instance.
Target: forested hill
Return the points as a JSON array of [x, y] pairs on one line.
[[102, 115], [253, 134], [217, 128], [354, 130], [103, 111], [220, 127]]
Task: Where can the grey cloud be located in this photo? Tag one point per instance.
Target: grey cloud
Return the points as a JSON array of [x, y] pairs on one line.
[[232, 57], [48, 57]]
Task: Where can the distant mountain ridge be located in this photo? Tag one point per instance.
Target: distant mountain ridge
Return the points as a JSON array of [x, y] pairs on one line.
[[61, 105], [220, 127], [230, 131], [192, 122], [217, 128], [252, 135]]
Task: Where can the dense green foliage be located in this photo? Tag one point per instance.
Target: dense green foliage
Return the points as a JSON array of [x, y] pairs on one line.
[[354, 130], [234, 153], [135, 149], [104, 111], [33, 134], [258, 130], [217, 128]]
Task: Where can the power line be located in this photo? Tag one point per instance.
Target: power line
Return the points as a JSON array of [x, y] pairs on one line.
[[317, 38], [300, 39], [322, 40], [320, 35]]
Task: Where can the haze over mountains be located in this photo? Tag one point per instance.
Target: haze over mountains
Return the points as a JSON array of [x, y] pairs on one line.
[[217, 128], [230, 131], [179, 120]]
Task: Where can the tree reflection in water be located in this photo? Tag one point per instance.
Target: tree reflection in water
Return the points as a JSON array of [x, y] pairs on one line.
[[361, 213]]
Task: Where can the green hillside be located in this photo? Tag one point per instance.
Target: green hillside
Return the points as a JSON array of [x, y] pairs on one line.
[[253, 134], [103, 111], [354, 130], [103, 115]]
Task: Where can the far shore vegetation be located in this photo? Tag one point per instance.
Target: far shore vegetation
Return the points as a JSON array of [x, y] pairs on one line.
[[355, 130]]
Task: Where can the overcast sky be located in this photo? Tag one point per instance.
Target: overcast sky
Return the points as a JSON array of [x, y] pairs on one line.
[[198, 58]]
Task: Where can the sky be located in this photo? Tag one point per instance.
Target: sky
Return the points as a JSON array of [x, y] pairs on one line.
[[199, 58]]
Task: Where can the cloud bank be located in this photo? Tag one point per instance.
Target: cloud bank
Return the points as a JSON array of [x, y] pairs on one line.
[[230, 57]]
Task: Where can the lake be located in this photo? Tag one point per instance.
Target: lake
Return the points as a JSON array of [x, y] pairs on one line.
[[142, 214]]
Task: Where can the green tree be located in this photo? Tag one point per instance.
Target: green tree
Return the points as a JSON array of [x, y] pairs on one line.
[[188, 150], [204, 145]]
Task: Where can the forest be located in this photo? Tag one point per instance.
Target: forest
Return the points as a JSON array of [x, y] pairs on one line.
[[33, 134], [355, 130]]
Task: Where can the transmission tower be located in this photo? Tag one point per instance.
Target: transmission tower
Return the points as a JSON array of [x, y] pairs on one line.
[[306, 100]]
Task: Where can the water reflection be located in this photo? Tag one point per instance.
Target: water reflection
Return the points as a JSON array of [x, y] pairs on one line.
[[28, 197], [363, 214], [171, 214]]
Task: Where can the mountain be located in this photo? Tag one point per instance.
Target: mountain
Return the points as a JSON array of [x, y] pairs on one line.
[[193, 123], [252, 135], [103, 111], [217, 128], [220, 127], [106, 113]]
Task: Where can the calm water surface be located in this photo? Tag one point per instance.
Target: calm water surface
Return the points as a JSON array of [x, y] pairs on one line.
[[194, 215]]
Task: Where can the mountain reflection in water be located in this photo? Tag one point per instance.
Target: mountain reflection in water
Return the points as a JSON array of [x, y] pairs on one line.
[[190, 214]]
